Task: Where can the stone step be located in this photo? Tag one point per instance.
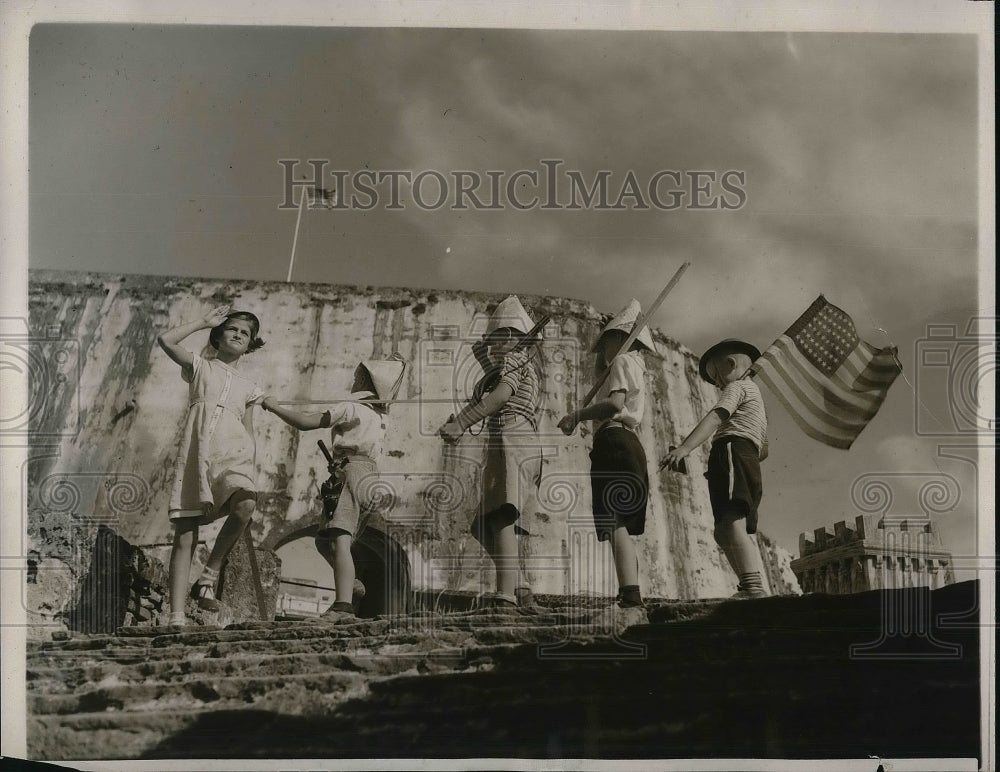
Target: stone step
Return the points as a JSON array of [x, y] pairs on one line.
[[547, 718], [559, 643], [312, 692], [70, 679], [736, 681], [193, 634], [463, 705], [440, 643], [341, 636], [106, 735], [90, 643], [425, 633], [517, 659]]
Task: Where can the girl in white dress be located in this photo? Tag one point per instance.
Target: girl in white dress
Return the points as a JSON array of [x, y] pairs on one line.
[[214, 474]]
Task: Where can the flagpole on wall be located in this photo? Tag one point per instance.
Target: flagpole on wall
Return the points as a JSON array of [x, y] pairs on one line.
[[295, 238]]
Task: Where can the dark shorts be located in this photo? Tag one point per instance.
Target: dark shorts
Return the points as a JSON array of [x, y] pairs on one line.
[[734, 480], [359, 498], [619, 482]]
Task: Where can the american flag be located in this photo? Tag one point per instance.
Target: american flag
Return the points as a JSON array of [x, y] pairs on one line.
[[830, 380]]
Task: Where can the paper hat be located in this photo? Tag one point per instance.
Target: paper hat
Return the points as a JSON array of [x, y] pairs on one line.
[[386, 375], [510, 313], [624, 320], [727, 346]]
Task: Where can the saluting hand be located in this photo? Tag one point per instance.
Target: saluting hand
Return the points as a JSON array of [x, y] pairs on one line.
[[216, 316]]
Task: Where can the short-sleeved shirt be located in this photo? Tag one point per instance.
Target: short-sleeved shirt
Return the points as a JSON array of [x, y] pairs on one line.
[[355, 429], [628, 374], [744, 408], [520, 373]]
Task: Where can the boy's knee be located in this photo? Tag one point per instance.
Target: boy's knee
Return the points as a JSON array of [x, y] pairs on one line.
[[724, 526]]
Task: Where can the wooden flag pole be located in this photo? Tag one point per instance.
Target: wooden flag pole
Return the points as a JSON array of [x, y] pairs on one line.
[[295, 238], [636, 329]]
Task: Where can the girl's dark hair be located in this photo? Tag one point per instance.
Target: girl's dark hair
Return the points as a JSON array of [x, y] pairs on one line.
[[255, 341]]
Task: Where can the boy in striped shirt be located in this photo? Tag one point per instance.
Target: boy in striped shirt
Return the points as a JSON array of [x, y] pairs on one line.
[[737, 426], [511, 453]]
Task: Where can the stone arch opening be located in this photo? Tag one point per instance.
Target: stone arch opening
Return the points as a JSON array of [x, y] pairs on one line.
[[381, 566]]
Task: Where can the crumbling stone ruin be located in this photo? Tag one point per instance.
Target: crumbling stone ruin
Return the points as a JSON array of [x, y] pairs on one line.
[[879, 552]]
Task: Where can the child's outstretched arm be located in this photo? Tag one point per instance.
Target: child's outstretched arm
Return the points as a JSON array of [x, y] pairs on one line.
[[455, 427], [701, 433], [605, 408], [169, 341], [301, 421]]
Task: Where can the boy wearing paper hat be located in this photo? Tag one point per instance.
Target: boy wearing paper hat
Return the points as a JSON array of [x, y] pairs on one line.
[[357, 431], [619, 479], [737, 426], [512, 456]]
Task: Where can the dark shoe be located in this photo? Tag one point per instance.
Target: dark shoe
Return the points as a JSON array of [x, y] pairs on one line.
[[340, 611], [525, 597], [497, 600], [204, 595], [749, 594]]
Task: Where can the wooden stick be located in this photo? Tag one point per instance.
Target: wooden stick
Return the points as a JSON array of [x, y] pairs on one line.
[[417, 401], [636, 329]]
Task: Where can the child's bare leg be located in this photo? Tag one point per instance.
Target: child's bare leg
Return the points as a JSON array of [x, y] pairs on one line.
[[185, 539], [241, 509], [324, 547], [626, 567], [343, 567], [722, 539], [626, 561], [505, 557], [741, 551]]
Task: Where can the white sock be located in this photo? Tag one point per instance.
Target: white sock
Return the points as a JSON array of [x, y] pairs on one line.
[[751, 581]]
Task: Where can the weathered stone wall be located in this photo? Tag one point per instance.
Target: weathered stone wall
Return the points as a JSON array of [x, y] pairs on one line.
[[98, 456]]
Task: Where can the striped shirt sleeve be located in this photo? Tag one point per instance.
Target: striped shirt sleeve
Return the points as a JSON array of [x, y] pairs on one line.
[[522, 378]]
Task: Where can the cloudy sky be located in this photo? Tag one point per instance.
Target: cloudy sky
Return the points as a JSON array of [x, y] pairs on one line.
[[155, 149]]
